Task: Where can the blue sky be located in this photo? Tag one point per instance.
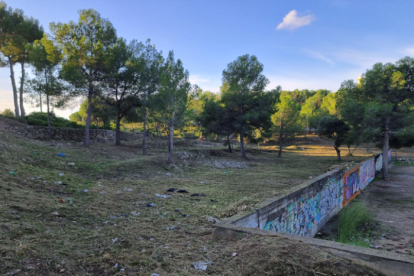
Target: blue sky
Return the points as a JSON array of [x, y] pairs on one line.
[[302, 44]]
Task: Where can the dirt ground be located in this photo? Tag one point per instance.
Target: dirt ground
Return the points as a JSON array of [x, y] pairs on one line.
[[105, 210], [392, 204]]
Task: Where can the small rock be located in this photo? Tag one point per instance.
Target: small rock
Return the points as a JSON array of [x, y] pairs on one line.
[[212, 219]]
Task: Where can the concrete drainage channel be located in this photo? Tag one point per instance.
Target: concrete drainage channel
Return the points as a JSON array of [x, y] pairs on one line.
[[301, 213]]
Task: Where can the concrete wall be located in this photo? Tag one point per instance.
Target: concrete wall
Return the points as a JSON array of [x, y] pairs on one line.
[[70, 134], [308, 207]]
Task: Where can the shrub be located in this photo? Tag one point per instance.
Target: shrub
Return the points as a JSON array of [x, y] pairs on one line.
[[8, 113]]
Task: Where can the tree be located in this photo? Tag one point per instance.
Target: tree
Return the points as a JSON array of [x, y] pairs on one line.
[[245, 85], [311, 109], [285, 119], [352, 112], [334, 128], [45, 58], [171, 100], [121, 82], [149, 63], [17, 31], [86, 46], [388, 92], [8, 113], [217, 119]]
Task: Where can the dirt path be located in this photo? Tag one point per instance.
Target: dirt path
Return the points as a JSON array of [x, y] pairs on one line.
[[392, 204]]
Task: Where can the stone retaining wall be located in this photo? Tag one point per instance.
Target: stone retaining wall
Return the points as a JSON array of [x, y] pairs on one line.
[[71, 134]]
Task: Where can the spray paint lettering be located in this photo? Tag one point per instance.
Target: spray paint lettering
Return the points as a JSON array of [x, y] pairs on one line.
[[299, 217], [367, 173], [378, 163], [351, 185]]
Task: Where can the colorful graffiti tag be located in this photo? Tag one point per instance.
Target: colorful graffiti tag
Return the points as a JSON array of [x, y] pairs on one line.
[[366, 173], [378, 163], [299, 217], [351, 185]]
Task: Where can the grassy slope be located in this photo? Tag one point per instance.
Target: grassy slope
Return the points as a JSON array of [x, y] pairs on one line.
[[92, 236]]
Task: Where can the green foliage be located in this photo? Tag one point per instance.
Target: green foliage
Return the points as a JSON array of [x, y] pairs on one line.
[[86, 47], [243, 96], [335, 129], [351, 218], [8, 113], [40, 119]]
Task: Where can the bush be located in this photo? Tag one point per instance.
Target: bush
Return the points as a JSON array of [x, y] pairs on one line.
[[8, 113], [40, 119]]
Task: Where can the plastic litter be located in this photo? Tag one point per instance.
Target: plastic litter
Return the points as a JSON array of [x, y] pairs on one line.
[[85, 191], [115, 240], [201, 265], [135, 213], [58, 183], [234, 254], [201, 182], [162, 196], [150, 204], [61, 174], [168, 174], [212, 219], [12, 173], [182, 191], [171, 227], [61, 154], [71, 164]]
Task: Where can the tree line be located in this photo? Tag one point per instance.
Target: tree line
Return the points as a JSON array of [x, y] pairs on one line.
[[133, 81]]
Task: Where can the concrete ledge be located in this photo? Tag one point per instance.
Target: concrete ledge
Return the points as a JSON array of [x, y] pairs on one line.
[[388, 263]]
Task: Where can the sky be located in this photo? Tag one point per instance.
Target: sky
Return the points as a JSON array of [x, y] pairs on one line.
[[302, 44]]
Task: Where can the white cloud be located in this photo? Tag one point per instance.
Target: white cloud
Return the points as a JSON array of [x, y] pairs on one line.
[[292, 21], [317, 55]]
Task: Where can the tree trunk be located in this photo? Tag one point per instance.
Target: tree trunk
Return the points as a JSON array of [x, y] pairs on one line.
[[338, 153], [368, 147], [386, 141], [201, 133], [228, 142], [22, 111], [15, 98], [88, 118], [243, 153], [144, 136], [280, 140], [40, 94], [171, 141], [118, 130], [48, 118]]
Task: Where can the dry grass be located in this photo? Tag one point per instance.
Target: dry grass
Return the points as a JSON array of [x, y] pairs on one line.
[[97, 233]]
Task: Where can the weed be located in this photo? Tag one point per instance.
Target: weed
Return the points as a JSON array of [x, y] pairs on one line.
[[354, 221]]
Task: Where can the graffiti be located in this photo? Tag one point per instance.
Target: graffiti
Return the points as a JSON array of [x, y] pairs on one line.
[[366, 173], [351, 185], [378, 163], [299, 217]]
